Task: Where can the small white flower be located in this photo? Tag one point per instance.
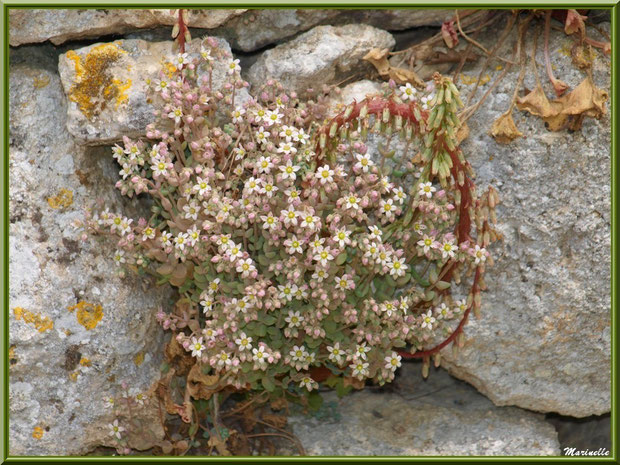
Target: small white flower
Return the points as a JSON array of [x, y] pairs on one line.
[[245, 267], [293, 245], [202, 187], [363, 162], [176, 114], [392, 362], [309, 383], [399, 195], [388, 208], [160, 85], [448, 248], [324, 256], [461, 306], [148, 233], [397, 267], [264, 165], [223, 359], [287, 291], [301, 137], [361, 351], [335, 353], [197, 347], [408, 92], [181, 241], [426, 242], [325, 174], [480, 254], [352, 201], [294, 319], [288, 132], [180, 60], [233, 66], [360, 369], [237, 115], [311, 222], [298, 354], [270, 222], [205, 53], [342, 237], [290, 216], [272, 117], [426, 189], [428, 320], [244, 342], [159, 169], [191, 210], [262, 136], [116, 429], [119, 257], [375, 232], [288, 171]]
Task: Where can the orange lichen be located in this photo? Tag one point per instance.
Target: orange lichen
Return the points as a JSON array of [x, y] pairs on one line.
[[88, 315], [63, 199], [138, 359], [94, 84], [169, 69], [41, 323], [85, 362], [37, 432]]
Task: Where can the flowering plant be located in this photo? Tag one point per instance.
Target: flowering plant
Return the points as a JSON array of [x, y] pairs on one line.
[[298, 243]]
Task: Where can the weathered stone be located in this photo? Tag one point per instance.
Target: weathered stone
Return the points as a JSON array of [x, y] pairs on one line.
[[106, 86], [437, 416], [543, 341], [58, 25], [356, 91], [63, 360], [258, 28], [397, 20], [323, 55]]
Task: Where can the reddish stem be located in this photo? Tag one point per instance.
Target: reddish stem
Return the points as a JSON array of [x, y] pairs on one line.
[[182, 31], [376, 106]]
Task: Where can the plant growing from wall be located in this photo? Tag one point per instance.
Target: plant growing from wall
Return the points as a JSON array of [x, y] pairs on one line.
[[301, 253]]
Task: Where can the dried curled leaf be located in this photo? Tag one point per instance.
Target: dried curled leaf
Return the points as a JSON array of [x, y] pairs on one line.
[[201, 386], [569, 110], [575, 23], [279, 421], [504, 130], [378, 58], [449, 35]]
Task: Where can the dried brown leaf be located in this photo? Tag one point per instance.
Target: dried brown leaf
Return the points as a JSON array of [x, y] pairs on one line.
[[202, 386], [354, 382], [504, 130], [379, 59], [575, 23], [537, 103], [449, 35]]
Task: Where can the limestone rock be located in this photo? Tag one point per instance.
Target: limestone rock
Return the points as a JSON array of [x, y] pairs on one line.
[[439, 416], [106, 86], [323, 55], [61, 25], [543, 342], [64, 360]]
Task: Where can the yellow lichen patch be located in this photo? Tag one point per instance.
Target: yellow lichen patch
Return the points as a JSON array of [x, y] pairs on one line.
[[85, 362], [37, 432], [74, 376], [499, 68], [94, 84], [41, 81], [169, 69], [12, 356], [41, 323], [68, 332], [63, 199], [469, 80], [138, 359], [88, 315]]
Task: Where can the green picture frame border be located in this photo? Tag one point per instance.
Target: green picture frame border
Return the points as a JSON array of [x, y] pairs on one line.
[[281, 4]]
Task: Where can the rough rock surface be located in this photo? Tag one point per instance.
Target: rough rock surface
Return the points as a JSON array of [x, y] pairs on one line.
[[63, 362], [60, 25], [106, 86], [437, 416], [323, 55], [543, 341]]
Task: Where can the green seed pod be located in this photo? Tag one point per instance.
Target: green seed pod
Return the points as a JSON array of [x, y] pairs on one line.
[[348, 111], [364, 112], [332, 130], [385, 117]]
